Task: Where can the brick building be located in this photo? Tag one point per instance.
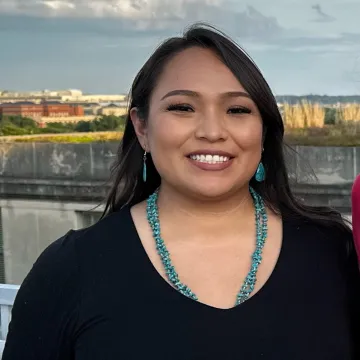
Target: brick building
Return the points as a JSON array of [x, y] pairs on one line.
[[24, 109], [56, 109], [37, 111]]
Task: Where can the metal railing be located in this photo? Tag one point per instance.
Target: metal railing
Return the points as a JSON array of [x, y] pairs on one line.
[[7, 297]]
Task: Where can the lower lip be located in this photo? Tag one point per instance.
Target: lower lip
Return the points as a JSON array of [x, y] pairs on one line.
[[211, 167]]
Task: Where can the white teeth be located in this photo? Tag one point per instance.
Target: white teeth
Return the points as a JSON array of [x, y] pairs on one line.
[[210, 159]]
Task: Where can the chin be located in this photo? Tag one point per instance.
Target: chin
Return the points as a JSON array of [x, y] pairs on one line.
[[212, 192]]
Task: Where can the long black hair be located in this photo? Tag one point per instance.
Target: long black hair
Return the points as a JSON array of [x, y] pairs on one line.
[[128, 187]]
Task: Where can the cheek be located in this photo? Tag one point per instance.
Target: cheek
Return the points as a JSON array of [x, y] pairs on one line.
[[249, 137], [163, 137], [165, 144]]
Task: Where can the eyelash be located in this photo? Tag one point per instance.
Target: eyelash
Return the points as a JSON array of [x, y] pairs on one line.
[[241, 109], [179, 107], [186, 108]]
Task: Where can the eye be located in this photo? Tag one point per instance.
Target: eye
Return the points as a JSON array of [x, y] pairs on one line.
[[180, 108], [239, 110]]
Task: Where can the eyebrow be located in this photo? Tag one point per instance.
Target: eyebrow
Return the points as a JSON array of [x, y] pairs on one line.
[[196, 94]]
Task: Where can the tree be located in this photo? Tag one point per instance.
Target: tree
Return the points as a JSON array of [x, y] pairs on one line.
[[84, 126]]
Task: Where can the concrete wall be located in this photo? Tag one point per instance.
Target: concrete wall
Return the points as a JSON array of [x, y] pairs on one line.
[[91, 161], [55, 171], [29, 226], [87, 162], [46, 189]]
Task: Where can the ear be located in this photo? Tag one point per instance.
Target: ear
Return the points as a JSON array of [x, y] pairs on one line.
[[140, 128]]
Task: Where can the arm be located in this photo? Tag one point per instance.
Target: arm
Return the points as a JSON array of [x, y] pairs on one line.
[[45, 309]]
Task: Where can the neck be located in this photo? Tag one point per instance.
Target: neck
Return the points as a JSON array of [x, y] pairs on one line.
[[227, 210]]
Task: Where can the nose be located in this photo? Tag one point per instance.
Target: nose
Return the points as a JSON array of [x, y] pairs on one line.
[[211, 127]]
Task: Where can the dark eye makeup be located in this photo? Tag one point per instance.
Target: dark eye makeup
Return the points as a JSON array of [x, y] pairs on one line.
[[181, 107], [239, 110]]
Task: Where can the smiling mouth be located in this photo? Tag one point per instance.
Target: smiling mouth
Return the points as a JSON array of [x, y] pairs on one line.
[[210, 159]]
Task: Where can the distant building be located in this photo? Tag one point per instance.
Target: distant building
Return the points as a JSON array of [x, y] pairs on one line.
[[37, 111], [24, 109], [90, 108], [113, 109], [71, 95], [57, 109], [98, 98]]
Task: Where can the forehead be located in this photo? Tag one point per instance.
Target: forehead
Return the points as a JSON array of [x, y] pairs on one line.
[[197, 69]]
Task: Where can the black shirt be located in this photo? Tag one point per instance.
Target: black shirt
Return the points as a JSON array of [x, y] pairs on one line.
[[95, 295]]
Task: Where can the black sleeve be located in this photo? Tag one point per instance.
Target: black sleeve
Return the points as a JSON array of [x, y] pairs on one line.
[[353, 273], [45, 309]]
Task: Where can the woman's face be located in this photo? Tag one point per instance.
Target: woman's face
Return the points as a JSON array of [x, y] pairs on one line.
[[204, 132]]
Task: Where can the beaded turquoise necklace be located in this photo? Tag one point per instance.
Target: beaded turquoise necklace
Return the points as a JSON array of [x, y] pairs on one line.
[[250, 280]]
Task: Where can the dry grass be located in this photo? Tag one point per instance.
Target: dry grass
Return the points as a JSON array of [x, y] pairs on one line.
[[347, 114], [303, 115], [66, 138], [330, 135]]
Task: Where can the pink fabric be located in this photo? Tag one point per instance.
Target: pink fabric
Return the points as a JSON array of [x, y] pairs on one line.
[[355, 200]]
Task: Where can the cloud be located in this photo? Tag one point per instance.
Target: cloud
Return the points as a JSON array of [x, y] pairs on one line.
[[132, 9], [322, 17], [343, 43], [58, 5], [149, 21], [133, 17]]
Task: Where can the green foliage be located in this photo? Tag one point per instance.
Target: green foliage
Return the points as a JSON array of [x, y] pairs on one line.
[[22, 122], [321, 99], [330, 116], [8, 129], [17, 125], [58, 128], [103, 123], [85, 126]]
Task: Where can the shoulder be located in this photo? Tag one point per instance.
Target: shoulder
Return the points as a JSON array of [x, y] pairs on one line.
[[326, 248], [110, 231], [325, 236], [70, 252]]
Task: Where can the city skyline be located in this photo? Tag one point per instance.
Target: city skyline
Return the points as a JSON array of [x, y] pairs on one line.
[[99, 45]]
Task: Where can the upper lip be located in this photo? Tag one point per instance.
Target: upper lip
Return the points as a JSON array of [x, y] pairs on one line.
[[211, 152]]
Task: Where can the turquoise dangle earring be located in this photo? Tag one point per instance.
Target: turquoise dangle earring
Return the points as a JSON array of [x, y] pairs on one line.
[[260, 173], [144, 174]]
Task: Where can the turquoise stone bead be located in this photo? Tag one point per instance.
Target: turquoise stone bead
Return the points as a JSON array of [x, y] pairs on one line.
[[261, 234]]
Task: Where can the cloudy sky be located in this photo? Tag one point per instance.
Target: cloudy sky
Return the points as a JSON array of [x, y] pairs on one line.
[[302, 46]]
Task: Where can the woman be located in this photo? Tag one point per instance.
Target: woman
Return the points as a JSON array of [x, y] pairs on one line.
[[355, 200], [204, 253]]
